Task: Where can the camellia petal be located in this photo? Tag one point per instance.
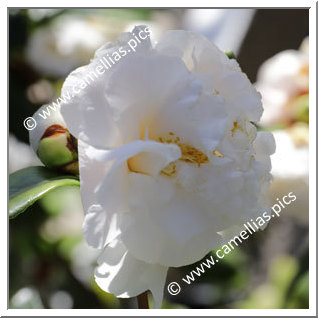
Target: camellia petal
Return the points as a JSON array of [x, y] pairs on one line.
[[202, 56], [122, 274]]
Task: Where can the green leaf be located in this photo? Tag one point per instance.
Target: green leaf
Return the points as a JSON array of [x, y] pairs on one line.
[[28, 185]]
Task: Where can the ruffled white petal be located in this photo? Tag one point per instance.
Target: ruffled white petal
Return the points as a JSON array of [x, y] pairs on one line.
[[202, 56], [113, 191], [86, 112], [105, 198], [120, 273], [173, 220], [264, 146], [85, 107], [99, 227], [136, 101]]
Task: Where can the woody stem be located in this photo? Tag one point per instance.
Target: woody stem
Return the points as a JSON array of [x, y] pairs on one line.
[[143, 301]]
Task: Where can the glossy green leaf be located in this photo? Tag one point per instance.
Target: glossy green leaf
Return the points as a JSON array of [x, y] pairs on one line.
[[28, 185]]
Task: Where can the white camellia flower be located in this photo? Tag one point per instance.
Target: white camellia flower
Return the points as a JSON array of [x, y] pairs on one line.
[[168, 157], [69, 41], [292, 174], [20, 154], [280, 80], [283, 81]]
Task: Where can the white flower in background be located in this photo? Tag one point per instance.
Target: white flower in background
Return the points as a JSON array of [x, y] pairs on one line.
[[61, 300], [283, 82], [225, 27], [292, 174], [70, 41], [26, 298], [21, 155], [39, 14], [297, 157], [168, 157]]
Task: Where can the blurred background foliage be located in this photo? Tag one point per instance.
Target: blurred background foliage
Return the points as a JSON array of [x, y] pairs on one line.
[[50, 266]]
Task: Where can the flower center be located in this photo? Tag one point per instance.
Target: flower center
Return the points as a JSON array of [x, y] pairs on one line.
[[141, 163], [189, 154]]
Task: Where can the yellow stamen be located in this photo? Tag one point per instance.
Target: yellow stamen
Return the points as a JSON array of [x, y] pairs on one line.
[[236, 127], [189, 153], [170, 169], [217, 154]]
